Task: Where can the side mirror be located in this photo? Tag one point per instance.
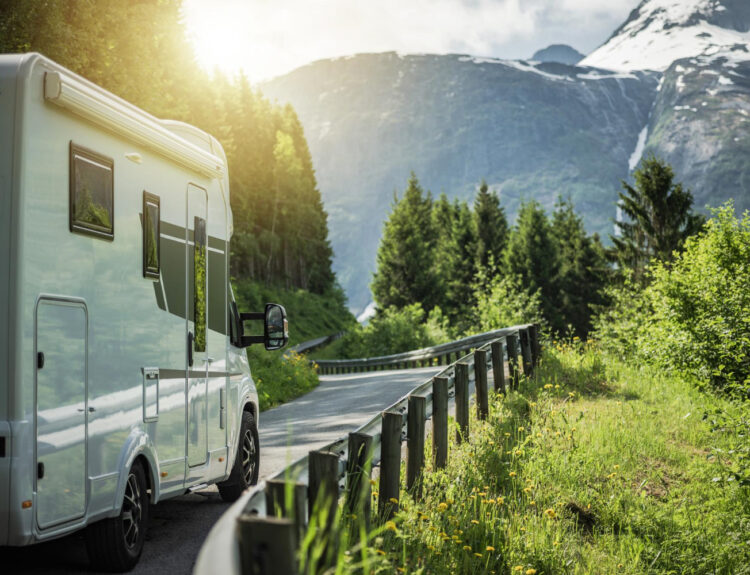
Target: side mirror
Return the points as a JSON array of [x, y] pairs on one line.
[[275, 327]]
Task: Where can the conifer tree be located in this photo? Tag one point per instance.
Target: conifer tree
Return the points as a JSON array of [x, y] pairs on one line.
[[462, 266], [583, 268], [532, 256], [405, 260], [660, 217], [492, 227]]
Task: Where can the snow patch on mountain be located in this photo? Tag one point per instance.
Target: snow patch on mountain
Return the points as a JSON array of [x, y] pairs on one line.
[[659, 32]]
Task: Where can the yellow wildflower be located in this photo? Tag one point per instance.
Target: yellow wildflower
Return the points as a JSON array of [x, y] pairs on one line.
[[390, 526], [551, 513], [393, 500], [474, 522], [512, 474], [530, 571], [477, 554], [467, 547], [442, 507], [490, 548]]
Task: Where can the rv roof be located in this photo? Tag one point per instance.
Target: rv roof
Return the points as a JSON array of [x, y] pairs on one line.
[[182, 143]]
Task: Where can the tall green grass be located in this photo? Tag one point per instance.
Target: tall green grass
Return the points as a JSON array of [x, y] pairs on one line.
[[594, 466]]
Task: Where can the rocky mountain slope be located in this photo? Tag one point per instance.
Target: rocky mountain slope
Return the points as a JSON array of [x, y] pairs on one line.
[[558, 53], [531, 129]]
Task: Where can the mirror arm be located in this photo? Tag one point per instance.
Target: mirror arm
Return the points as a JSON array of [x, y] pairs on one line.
[[249, 316], [248, 340]]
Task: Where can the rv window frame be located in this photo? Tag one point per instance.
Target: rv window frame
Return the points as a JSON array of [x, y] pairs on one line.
[[154, 200], [77, 226]]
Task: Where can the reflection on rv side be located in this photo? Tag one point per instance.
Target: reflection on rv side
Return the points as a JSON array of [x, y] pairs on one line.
[[112, 410]]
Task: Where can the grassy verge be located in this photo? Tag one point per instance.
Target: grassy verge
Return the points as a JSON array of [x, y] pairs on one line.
[[594, 467], [310, 315]]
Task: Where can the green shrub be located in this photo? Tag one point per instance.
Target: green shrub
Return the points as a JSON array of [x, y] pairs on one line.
[[278, 378], [503, 302], [394, 331]]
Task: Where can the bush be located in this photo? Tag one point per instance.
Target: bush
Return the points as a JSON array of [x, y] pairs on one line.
[[701, 306], [503, 302], [394, 331], [279, 379]]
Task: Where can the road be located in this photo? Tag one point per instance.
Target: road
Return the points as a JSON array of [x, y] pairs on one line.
[[178, 526]]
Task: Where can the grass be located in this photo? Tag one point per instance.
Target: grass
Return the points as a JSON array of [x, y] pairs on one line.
[[595, 466], [279, 379]]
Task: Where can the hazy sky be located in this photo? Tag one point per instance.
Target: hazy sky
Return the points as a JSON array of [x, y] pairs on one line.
[[267, 38]]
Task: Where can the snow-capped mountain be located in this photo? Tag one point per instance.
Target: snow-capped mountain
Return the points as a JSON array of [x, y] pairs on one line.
[[658, 32]]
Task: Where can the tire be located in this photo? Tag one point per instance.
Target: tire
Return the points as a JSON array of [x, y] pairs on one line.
[[115, 544], [246, 462]]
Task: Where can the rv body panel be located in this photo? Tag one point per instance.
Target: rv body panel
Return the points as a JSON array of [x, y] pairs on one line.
[[117, 385]]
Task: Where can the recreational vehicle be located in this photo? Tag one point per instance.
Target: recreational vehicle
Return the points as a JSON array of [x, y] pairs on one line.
[[123, 375]]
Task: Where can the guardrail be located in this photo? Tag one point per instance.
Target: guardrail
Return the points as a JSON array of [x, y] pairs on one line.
[[249, 538], [442, 354], [312, 344]]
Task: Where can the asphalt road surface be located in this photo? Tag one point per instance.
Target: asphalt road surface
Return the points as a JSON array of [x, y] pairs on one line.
[[179, 526]]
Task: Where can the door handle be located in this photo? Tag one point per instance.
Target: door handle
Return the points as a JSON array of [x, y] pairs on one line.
[[190, 348]]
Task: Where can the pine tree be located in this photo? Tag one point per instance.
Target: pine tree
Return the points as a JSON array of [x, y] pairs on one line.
[[532, 256], [583, 268], [492, 227], [660, 217], [405, 260], [462, 266]]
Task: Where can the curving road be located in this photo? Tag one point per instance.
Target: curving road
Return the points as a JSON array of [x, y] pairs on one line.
[[178, 526]]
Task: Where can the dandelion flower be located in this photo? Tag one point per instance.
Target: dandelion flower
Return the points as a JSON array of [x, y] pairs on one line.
[[512, 474], [518, 568], [393, 500], [530, 571], [551, 513], [490, 548], [467, 547], [390, 526], [474, 522]]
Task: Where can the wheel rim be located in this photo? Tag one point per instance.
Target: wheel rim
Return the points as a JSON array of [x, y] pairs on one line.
[[132, 511], [248, 456]]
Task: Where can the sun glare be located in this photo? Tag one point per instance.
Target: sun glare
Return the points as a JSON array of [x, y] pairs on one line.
[[219, 33]]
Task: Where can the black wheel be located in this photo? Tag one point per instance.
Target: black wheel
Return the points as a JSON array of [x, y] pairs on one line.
[[115, 544], [246, 462]]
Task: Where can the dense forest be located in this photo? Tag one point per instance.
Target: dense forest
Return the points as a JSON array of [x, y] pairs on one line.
[[139, 51]]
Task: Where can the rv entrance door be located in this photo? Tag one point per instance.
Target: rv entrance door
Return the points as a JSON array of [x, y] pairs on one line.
[[197, 337]]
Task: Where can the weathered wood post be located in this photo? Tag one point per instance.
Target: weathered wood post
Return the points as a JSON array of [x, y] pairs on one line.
[[462, 402], [390, 463], [415, 436], [439, 422], [323, 484], [535, 347], [268, 545], [288, 505], [512, 344], [358, 476], [528, 367], [480, 383], [498, 366]]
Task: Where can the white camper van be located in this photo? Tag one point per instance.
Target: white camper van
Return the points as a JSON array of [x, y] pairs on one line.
[[123, 375]]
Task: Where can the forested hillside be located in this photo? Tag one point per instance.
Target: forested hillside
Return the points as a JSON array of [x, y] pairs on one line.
[[139, 51]]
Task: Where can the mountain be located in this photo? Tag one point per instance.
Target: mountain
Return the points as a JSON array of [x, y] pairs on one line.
[[561, 53], [532, 129], [658, 32]]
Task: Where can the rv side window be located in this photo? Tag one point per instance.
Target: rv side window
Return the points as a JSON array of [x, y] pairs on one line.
[[92, 207], [151, 222]]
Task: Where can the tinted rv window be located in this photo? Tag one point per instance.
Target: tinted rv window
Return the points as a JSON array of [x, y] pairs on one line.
[[199, 259], [92, 208], [151, 223]]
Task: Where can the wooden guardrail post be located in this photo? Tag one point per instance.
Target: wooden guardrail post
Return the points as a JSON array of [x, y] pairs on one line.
[[439, 422], [462, 402], [415, 419], [535, 349], [498, 366], [480, 383], [268, 545], [358, 476], [512, 344], [390, 464], [528, 367], [323, 484], [277, 502]]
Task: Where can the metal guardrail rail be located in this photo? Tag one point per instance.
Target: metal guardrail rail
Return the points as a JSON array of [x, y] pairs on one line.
[[313, 344], [443, 353], [223, 549]]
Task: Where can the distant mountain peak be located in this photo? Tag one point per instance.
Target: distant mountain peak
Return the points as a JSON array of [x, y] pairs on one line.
[[561, 53], [658, 32]]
